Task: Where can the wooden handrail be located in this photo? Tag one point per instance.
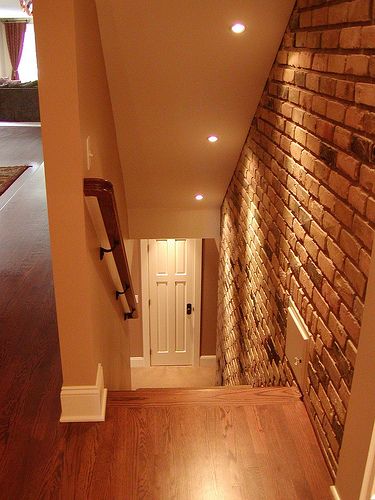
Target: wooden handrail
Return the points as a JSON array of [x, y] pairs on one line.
[[104, 192]]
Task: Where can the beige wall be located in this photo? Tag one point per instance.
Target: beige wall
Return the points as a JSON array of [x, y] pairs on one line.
[[210, 265], [209, 297], [75, 103]]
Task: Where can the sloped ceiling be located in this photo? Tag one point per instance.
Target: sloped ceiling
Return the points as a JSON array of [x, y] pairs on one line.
[[177, 74]]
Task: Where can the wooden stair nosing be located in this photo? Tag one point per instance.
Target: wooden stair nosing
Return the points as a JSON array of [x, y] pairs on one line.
[[212, 396]]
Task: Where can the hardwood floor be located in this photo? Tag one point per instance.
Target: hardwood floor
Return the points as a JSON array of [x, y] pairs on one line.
[[221, 443]]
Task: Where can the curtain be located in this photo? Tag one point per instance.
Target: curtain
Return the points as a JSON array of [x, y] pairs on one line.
[[15, 34]]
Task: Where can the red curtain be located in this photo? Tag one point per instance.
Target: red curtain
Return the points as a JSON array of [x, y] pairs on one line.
[[15, 33]]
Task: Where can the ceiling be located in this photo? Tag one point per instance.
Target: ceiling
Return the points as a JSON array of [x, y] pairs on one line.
[[10, 9], [178, 74]]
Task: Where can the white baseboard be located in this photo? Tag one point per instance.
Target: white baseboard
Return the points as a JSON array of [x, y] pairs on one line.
[[334, 493], [84, 403], [209, 360], [137, 362]]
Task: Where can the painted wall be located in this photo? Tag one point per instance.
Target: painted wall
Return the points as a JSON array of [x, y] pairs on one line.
[[74, 104], [209, 297], [298, 218]]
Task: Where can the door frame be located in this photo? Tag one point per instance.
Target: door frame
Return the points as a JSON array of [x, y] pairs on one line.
[[146, 297]]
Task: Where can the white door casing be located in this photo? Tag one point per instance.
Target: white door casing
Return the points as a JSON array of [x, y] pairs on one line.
[[171, 279]]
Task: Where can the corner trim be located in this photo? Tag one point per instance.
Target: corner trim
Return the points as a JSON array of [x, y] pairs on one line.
[[334, 493], [137, 362], [209, 360], [84, 403]]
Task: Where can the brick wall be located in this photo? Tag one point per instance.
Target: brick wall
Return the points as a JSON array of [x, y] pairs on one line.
[[298, 216]]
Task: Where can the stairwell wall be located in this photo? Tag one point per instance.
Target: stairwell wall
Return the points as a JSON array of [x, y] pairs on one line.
[[298, 217]]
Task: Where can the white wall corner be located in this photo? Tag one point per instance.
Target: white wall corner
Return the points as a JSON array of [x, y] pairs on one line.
[[209, 360], [334, 493], [84, 403], [137, 362]]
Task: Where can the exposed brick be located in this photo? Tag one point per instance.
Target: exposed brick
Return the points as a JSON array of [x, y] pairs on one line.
[[350, 38], [337, 403], [331, 225], [332, 298], [365, 94], [368, 37], [344, 213], [367, 178], [354, 117], [330, 39], [362, 148], [359, 10], [370, 209], [357, 64], [335, 254], [350, 324], [336, 63], [350, 245], [363, 231], [358, 198], [338, 14], [337, 329], [344, 289], [342, 138], [339, 184], [345, 90], [355, 277], [348, 165], [326, 265]]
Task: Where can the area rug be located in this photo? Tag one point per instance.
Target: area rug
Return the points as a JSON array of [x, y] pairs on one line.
[[8, 175]]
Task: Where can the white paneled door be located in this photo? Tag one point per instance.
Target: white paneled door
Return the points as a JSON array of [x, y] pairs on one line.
[[172, 271]]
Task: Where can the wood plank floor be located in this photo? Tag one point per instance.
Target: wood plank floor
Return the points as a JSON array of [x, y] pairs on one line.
[[153, 445]]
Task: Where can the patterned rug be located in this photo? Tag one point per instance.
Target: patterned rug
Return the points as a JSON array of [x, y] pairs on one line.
[[8, 175]]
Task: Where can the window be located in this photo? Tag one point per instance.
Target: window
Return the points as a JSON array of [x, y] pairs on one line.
[[28, 69]]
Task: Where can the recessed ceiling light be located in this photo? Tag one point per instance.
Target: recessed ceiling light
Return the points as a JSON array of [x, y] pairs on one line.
[[238, 28], [199, 197], [212, 138]]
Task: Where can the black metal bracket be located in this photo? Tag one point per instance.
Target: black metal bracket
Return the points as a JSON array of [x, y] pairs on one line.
[[121, 293], [103, 251], [129, 315]]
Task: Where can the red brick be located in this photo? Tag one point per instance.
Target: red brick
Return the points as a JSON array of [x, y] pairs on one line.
[[332, 298], [357, 64], [367, 178], [368, 37], [311, 247], [344, 289], [348, 165], [305, 19], [342, 138], [338, 331], [357, 198], [338, 14], [321, 304], [319, 104], [364, 262], [359, 10], [350, 38], [363, 231], [326, 198], [345, 90], [325, 129], [339, 184], [316, 209], [350, 324], [350, 245], [330, 39], [335, 254], [336, 63], [301, 38], [343, 213], [319, 16], [306, 282], [313, 39], [327, 85], [324, 333], [365, 94], [331, 225], [368, 122], [356, 279], [370, 209], [312, 82], [335, 111], [354, 117], [326, 266], [351, 352]]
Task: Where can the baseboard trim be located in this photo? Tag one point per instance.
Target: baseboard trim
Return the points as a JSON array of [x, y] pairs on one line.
[[334, 493], [84, 403], [209, 360], [137, 362]]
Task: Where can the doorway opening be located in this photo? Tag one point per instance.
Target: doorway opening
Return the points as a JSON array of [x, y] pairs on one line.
[[174, 343]]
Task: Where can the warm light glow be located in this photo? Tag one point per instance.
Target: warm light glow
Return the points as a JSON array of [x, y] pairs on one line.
[[238, 28], [212, 138], [199, 197]]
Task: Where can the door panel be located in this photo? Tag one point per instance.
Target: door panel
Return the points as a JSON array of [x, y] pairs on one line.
[[171, 283]]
